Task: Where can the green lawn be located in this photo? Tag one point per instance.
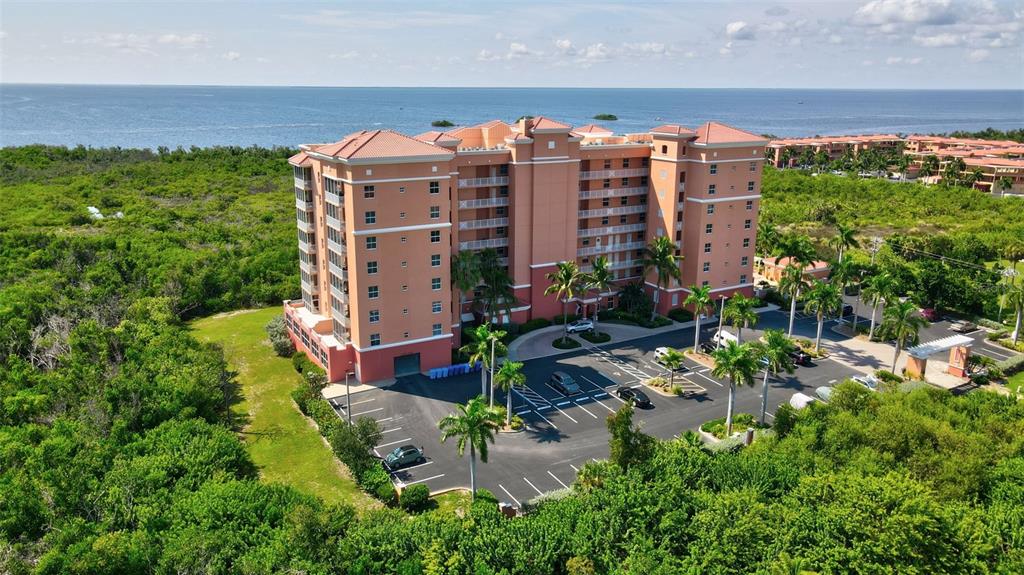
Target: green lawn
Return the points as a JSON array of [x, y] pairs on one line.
[[1016, 382], [282, 443]]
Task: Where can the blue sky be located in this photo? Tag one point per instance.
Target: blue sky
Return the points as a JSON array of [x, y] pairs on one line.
[[826, 44]]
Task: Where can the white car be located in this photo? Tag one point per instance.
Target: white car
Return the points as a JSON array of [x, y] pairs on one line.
[[659, 356], [580, 325], [723, 337], [800, 401], [869, 381], [824, 392]]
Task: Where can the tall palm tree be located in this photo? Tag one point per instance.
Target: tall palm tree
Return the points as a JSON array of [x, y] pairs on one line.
[[973, 177], [823, 299], [796, 247], [901, 322], [565, 280], [951, 174], [773, 349], [929, 165], [791, 284], [767, 238], [672, 360], [660, 257], [479, 350], [879, 288], [902, 163], [474, 424], [844, 239], [497, 293], [1004, 183], [736, 362], [739, 312], [1013, 252], [700, 300], [841, 273], [1014, 299], [509, 375], [600, 280], [465, 274]]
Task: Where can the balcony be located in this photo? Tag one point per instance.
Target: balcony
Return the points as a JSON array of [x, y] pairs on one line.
[[682, 187], [333, 198], [338, 294], [335, 223], [613, 192], [483, 203], [679, 226], [481, 244], [341, 318], [483, 224], [303, 184], [623, 265], [610, 248], [617, 211], [309, 268], [483, 182], [310, 288], [339, 248], [307, 248], [608, 230], [605, 174], [341, 273], [303, 205], [305, 226]]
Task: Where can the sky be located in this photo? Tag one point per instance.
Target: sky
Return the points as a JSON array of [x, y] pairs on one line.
[[752, 44]]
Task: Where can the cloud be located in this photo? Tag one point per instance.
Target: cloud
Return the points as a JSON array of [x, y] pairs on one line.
[[938, 40], [739, 30], [776, 11], [978, 55], [182, 40], [349, 55], [893, 12], [380, 19], [564, 46], [232, 56], [3, 34], [835, 39], [487, 56], [726, 50], [121, 42], [902, 61], [516, 50]]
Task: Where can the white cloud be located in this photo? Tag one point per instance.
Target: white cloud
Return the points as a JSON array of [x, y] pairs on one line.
[[564, 46], [381, 19], [232, 56], [3, 34], [776, 11], [978, 55], [487, 56], [520, 50], [349, 55], [901, 61], [122, 42], [690, 54], [516, 50], [726, 50], [182, 40], [889, 12], [867, 63], [835, 39], [646, 49], [739, 30], [938, 40]]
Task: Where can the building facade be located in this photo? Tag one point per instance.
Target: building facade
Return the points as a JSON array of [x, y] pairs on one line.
[[380, 215]]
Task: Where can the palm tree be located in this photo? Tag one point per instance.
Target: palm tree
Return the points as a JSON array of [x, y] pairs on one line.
[[564, 282], [465, 274], [767, 237], [700, 300], [844, 239], [823, 299], [973, 177], [929, 165], [1004, 183], [736, 362], [509, 375], [739, 312], [791, 283], [479, 350], [474, 424], [951, 174], [1013, 252], [879, 288], [773, 349], [901, 322], [1014, 298], [902, 163], [797, 248], [841, 273], [600, 280], [497, 293], [672, 360], [660, 256]]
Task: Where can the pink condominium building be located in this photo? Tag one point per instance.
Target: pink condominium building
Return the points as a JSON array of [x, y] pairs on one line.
[[380, 214]]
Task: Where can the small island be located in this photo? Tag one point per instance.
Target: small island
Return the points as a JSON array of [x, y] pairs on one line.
[[442, 123], [606, 117]]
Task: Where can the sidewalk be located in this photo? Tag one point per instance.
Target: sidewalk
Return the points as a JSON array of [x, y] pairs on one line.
[[538, 343]]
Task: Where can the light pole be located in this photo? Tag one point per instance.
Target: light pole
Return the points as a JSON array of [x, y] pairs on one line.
[[492, 371], [721, 322], [348, 394]]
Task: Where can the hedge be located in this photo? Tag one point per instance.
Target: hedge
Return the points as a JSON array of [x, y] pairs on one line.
[[1011, 365], [534, 324], [681, 315]]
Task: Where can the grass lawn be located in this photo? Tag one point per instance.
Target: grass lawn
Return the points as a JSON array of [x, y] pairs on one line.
[[285, 447], [1016, 382]]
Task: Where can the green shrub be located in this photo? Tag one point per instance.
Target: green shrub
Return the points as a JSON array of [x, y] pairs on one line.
[[596, 337], [414, 497], [386, 493], [565, 343], [996, 335], [534, 324], [559, 320], [277, 332], [740, 421], [785, 419], [299, 361], [517, 422], [888, 376], [985, 322], [606, 117], [681, 315], [1008, 344], [442, 123], [1011, 365]]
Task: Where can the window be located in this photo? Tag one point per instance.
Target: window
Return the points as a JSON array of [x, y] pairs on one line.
[[714, 169], [374, 339], [623, 201], [707, 266], [644, 162], [405, 263], [606, 183], [623, 219], [435, 212], [744, 261], [664, 149], [374, 315], [373, 292], [371, 242], [607, 164], [401, 189], [711, 189], [746, 242], [551, 146], [707, 248], [625, 182], [401, 215], [605, 202], [435, 284], [405, 311], [625, 162], [371, 217], [405, 335], [743, 279], [753, 166], [371, 267], [643, 179], [604, 221], [705, 283], [750, 205], [435, 260], [435, 187], [436, 329], [750, 186], [404, 239], [746, 224], [369, 192], [708, 228], [435, 307], [711, 209], [435, 236]]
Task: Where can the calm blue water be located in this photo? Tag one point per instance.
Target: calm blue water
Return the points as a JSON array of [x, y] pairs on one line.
[[150, 116]]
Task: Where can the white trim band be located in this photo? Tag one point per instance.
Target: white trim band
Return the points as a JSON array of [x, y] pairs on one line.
[[401, 343], [401, 229], [720, 200]]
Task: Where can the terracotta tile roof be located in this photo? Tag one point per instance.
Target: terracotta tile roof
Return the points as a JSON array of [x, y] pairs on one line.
[[717, 133], [379, 144], [301, 160], [542, 123], [592, 130], [434, 136], [783, 262], [1001, 162], [826, 140], [674, 129]]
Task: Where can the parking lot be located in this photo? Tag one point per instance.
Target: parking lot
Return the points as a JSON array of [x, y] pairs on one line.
[[563, 433]]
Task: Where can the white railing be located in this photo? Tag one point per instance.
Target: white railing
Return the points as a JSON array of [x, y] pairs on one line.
[[679, 226], [617, 211], [303, 184], [342, 296], [480, 244], [682, 187], [610, 248], [681, 205], [615, 265], [308, 248], [332, 198], [608, 230], [613, 192], [307, 267], [481, 224], [310, 288], [343, 319], [603, 174], [342, 273], [483, 203], [337, 247], [482, 182], [334, 223], [304, 205], [304, 226]]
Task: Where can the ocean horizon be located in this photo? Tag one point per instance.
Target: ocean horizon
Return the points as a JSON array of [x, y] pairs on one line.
[[150, 116]]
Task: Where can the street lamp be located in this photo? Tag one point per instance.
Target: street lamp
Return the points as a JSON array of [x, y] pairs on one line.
[[348, 393], [721, 321]]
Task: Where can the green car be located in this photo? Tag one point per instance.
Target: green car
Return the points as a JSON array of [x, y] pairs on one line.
[[403, 456]]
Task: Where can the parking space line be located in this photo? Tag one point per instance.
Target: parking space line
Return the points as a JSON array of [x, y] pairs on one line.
[[364, 401], [393, 443], [510, 496], [523, 412], [562, 404], [424, 479], [390, 430], [540, 415], [539, 492], [417, 465], [601, 403], [833, 380], [571, 418], [367, 411], [600, 395], [585, 409], [576, 469], [709, 379], [545, 407], [385, 419], [614, 383], [558, 480]]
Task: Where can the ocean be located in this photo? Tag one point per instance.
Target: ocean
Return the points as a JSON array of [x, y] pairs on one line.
[[152, 116]]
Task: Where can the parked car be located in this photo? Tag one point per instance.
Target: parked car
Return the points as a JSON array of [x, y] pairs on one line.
[[659, 356], [632, 395], [580, 325], [403, 456], [800, 357], [724, 336], [847, 310], [800, 400], [929, 314], [708, 346], [963, 326], [869, 381], [564, 383], [824, 392]]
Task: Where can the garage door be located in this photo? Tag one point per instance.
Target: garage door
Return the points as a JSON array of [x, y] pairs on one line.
[[407, 364]]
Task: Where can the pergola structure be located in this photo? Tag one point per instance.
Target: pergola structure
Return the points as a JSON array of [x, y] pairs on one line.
[[959, 347]]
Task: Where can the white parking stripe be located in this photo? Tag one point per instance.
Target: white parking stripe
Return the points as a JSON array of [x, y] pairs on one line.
[[576, 469], [415, 466], [510, 496], [832, 380], [391, 430], [539, 492], [571, 418], [709, 379], [557, 479], [393, 442], [424, 479], [585, 409], [562, 404], [363, 401], [523, 412], [540, 415], [601, 403], [367, 411], [385, 419]]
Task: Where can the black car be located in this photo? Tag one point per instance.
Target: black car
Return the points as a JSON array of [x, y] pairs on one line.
[[800, 357], [847, 310], [635, 396], [708, 346]]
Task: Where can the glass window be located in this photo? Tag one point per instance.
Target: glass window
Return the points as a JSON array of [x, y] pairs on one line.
[[707, 266], [435, 307], [369, 192], [746, 242], [711, 209], [743, 279], [435, 212], [371, 217], [714, 169], [371, 267], [435, 236], [708, 228], [436, 329], [746, 224], [711, 189], [373, 292], [753, 166], [435, 284], [374, 316], [371, 242], [707, 248], [374, 339], [745, 261], [435, 260], [750, 186], [435, 187], [750, 205]]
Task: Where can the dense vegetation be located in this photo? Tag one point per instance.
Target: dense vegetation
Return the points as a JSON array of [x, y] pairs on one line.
[[119, 452], [991, 134]]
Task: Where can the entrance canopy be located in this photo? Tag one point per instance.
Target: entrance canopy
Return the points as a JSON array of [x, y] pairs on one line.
[[932, 347]]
